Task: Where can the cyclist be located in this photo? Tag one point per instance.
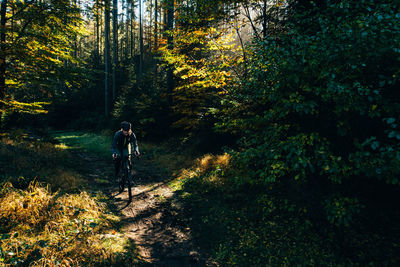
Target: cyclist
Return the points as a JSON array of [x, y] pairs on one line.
[[123, 143]]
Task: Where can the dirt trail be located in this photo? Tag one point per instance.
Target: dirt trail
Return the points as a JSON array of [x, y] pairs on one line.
[[154, 220]]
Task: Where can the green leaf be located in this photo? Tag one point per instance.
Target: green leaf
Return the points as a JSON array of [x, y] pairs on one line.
[[392, 134]]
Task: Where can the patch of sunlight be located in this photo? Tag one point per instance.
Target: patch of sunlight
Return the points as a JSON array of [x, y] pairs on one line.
[[201, 166], [101, 181], [186, 194], [112, 242], [62, 146], [66, 137]]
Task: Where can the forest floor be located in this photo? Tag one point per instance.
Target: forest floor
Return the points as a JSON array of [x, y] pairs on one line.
[[155, 219]]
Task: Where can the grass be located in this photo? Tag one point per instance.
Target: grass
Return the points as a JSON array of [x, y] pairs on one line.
[[41, 228], [88, 142], [47, 216], [23, 160]]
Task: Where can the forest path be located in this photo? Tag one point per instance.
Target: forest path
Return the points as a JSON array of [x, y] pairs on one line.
[[155, 219]]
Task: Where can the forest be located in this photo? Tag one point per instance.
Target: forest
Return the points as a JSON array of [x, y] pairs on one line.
[[268, 131]]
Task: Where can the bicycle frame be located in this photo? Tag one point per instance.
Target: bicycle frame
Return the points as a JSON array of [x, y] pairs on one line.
[[125, 176]]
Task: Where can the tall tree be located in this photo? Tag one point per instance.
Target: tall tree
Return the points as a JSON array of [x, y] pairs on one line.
[[127, 23], [106, 56], [115, 46], [132, 28], [155, 24], [140, 39], [170, 44], [3, 52], [155, 40], [97, 15]]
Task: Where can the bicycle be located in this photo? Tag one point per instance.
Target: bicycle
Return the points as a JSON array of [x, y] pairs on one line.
[[125, 177]]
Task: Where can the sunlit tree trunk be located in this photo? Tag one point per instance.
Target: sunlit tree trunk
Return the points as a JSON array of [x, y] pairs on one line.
[[106, 54], [156, 24], [3, 53], [265, 19], [97, 30], [170, 44], [115, 47], [75, 39], [127, 9], [132, 47], [149, 32], [155, 39], [140, 39], [101, 44]]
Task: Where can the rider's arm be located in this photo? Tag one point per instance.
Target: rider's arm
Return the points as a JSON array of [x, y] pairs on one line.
[[114, 143], [134, 144]]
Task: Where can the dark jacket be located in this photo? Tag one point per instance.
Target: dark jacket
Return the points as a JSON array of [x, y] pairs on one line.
[[121, 142]]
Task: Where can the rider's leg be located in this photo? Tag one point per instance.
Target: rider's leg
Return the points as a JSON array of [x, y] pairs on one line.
[[117, 164], [126, 153]]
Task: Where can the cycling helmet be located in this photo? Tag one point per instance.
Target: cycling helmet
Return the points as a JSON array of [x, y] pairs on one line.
[[126, 126]]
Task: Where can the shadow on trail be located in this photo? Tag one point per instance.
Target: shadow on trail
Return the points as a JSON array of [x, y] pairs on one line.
[[156, 221], [161, 232]]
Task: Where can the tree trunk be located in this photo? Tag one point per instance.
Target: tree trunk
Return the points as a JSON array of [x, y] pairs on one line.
[[75, 38], [170, 44], [140, 39], [265, 19], [106, 53], [132, 48], [97, 31], [3, 54], [155, 41], [115, 46], [155, 24], [101, 45], [127, 30]]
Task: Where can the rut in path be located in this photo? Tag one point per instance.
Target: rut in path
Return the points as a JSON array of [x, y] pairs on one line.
[[154, 220]]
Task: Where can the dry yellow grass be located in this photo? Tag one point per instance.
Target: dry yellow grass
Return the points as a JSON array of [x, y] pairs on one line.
[[201, 166], [48, 229], [208, 162]]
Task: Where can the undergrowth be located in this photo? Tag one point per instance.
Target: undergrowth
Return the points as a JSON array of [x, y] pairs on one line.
[[70, 227], [40, 228], [24, 159], [251, 225]]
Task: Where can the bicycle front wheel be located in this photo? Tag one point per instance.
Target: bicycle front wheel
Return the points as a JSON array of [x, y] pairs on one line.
[[121, 180], [128, 180]]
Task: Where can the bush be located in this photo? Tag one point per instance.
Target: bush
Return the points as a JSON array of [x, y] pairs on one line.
[[321, 106]]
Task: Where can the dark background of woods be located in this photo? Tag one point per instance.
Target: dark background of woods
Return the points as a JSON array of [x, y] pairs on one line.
[[303, 95]]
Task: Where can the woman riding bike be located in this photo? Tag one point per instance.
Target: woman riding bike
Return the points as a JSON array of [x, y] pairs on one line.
[[123, 143]]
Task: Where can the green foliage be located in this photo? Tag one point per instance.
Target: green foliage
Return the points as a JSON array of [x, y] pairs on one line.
[[203, 13], [321, 103], [39, 53], [144, 103], [202, 66], [252, 227], [341, 210]]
